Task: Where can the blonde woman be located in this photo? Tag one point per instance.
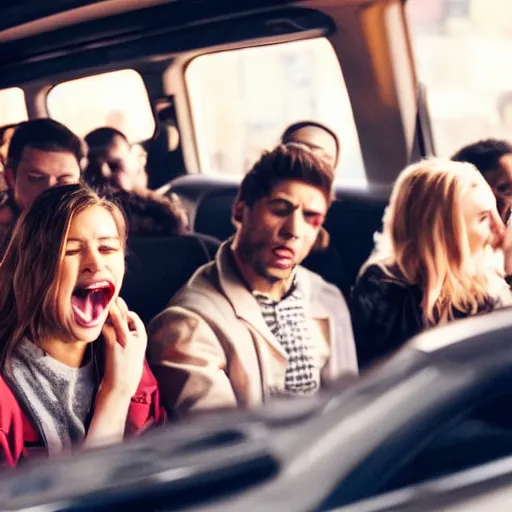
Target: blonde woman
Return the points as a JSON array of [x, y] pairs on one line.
[[437, 259]]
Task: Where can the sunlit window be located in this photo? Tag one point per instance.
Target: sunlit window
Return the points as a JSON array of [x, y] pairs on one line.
[[118, 99], [463, 50], [12, 106], [242, 101]]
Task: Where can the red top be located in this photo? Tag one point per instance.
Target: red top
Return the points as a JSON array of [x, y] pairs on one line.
[[17, 433]]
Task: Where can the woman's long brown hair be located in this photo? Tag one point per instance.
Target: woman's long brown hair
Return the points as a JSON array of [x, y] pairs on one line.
[[30, 269]]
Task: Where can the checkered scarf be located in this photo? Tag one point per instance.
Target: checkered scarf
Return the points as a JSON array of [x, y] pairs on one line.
[[286, 320]]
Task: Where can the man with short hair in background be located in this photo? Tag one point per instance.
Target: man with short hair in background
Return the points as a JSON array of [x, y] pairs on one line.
[[113, 161], [493, 158], [42, 153], [318, 137], [116, 171]]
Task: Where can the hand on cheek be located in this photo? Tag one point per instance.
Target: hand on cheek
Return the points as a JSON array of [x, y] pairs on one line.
[[125, 347]]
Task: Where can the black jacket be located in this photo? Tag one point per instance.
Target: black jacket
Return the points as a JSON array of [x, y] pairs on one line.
[[386, 312]]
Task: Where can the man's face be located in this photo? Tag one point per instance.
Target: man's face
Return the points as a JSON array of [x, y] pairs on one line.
[[278, 232], [320, 141], [501, 184], [39, 170], [124, 164]]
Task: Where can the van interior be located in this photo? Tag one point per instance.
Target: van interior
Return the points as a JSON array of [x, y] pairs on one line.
[[206, 86]]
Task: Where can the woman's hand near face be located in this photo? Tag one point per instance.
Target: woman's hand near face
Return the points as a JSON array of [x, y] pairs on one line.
[[125, 347]]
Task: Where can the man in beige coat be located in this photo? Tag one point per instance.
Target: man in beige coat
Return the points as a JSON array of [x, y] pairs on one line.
[[255, 324]]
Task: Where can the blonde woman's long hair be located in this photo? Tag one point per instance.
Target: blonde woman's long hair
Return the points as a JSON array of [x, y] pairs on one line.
[[425, 242]]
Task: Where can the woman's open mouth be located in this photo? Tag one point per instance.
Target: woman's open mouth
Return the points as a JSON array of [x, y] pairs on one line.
[[89, 302]]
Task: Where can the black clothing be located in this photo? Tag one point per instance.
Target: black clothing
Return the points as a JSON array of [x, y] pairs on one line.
[[386, 312]]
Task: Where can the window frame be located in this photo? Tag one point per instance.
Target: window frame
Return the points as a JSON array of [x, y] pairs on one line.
[[200, 159]]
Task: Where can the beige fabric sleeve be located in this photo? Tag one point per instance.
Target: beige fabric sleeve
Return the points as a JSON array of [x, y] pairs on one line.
[[189, 362]]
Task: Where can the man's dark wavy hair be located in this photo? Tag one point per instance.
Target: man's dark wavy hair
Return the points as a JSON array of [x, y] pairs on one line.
[[291, 161]]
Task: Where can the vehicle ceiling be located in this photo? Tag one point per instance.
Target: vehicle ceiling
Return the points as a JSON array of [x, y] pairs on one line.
[[38, 13], [56, 39]]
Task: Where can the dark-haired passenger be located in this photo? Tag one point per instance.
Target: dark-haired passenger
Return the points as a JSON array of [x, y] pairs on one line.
[[42, 153], [318, 137], [115, 171], [113, 161], [254, 324], [493, 158], [67, 375]]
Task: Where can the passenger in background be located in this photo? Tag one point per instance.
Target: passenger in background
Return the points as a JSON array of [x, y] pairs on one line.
[[318, 137], [434, 261], [72, 357], [142, 158], [115, 171], [493, 158], [112, 161], [150, 214], [254, 324], [42, 153]]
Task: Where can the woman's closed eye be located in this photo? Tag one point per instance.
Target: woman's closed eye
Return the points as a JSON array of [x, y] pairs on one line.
[[108, 249], [103, 249], [484, 217]]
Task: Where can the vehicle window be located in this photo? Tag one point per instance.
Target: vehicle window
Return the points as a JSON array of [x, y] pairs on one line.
[[243, 100], [462, 50], [118, 99], [12, 106]]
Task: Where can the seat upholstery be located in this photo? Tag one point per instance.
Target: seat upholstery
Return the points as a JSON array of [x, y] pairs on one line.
[[351, 222], [157, 267], [213, 213]]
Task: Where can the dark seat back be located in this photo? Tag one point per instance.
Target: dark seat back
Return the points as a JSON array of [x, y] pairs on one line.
[[157, 267], [351, 222], [214, 211], [193, 188]]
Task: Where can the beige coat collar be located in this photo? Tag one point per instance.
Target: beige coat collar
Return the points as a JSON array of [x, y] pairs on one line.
[[245, 304]]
